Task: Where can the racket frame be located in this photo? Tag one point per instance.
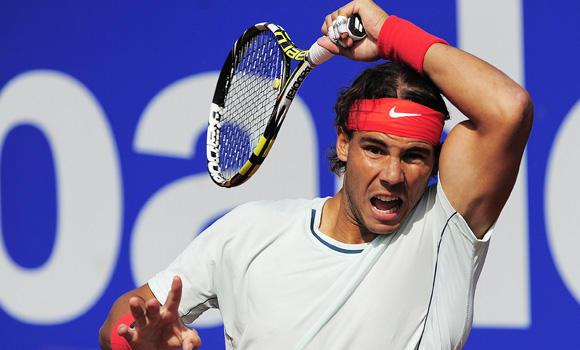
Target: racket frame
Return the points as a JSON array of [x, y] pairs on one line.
[[289, 88]]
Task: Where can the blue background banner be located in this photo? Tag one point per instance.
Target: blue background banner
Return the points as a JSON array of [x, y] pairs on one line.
[[103, 178]]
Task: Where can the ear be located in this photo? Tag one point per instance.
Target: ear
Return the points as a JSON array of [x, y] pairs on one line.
[[342, 142]]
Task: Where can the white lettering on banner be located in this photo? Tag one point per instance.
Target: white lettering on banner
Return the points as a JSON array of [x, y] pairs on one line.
[[562, 193], [502, 297], [174, 215], [89, 198]]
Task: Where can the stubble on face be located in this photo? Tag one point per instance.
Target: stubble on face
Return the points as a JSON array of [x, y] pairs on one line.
[[365, 177]]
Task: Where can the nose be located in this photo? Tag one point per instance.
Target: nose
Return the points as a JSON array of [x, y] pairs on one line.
[[392, 173]]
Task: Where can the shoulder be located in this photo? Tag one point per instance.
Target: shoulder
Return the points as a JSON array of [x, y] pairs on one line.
[[445, 213], [254, 224], [251, 217], [264, 208], [427, 202], [434, 200], [434, 204], [431, 210]]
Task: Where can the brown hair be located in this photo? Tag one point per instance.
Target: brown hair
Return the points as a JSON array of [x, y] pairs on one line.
[[390, 79]]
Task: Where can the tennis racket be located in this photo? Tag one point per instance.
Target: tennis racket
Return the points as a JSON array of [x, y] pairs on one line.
[[255, 89]]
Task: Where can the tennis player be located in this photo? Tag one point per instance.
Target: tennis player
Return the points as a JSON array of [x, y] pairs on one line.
[[272, 268]]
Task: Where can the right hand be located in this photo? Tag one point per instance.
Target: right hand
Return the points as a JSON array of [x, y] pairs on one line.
[[159, 327], [372, 17]]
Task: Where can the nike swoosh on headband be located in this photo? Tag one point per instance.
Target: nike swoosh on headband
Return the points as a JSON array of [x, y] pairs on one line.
[[395, 114], [395, 117]]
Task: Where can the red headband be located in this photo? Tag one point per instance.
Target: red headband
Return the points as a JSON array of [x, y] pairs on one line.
[[397, 117]]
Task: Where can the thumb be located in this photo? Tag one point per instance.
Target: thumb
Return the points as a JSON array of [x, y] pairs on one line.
[[326, 43], [329, 45], [191, 343]]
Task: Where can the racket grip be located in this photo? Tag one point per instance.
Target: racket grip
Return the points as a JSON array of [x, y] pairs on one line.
[[318, 54]]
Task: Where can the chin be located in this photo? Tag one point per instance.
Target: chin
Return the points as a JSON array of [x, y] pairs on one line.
[[384, 224], [383, 229]]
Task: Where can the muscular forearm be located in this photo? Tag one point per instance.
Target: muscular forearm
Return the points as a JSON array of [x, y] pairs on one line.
[[488, 97], [480, 159]]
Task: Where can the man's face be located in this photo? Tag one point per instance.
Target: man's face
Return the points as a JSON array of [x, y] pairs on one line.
[[385, 177]]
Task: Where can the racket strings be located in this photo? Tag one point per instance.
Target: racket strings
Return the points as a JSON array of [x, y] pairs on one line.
[[251, 98]]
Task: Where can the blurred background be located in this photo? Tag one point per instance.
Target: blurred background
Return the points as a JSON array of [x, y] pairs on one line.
[[103, 109]]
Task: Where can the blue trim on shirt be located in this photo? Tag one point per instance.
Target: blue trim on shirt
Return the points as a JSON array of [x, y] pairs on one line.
[[329, 245]]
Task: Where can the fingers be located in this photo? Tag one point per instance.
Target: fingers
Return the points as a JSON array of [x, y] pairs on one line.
[[152, 311], [348, 42], [171, 305], [191, 340], [371, 14], [146, 314], [329, 45], [337, 50], [191, 344], [356, 47], [346, 11], [336, 28], [338, 32], [137, 306], [327, 24], [126, 332]]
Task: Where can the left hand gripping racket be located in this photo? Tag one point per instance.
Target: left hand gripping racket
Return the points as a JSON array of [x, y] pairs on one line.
[[254, 91]]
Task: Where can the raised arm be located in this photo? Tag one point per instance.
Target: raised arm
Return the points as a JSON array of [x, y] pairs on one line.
[[480, 158]]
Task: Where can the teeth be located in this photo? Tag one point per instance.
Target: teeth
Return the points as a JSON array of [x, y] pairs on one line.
[[390, 211], [387, 198]]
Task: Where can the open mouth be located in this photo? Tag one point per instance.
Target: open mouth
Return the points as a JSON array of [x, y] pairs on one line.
[[387, 204]]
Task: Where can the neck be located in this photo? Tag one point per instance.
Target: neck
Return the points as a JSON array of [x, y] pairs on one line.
[[340, 223]]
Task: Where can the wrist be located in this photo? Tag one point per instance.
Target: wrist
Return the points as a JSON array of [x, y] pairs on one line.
[[402, 41], [117, 341]]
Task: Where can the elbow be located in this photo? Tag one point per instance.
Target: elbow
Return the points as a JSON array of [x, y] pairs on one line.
[[524, 111], [518, 111]]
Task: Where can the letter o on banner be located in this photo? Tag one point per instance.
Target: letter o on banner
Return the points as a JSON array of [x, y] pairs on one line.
[[89, 199], [562, 193]]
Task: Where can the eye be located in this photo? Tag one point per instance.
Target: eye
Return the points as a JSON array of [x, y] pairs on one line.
[[373, 150], [414, 157]]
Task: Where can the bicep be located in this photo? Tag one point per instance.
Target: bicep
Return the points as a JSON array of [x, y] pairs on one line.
[[478, 169]]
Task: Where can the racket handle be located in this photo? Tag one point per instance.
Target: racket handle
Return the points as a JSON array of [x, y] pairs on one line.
[[318, 54]]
